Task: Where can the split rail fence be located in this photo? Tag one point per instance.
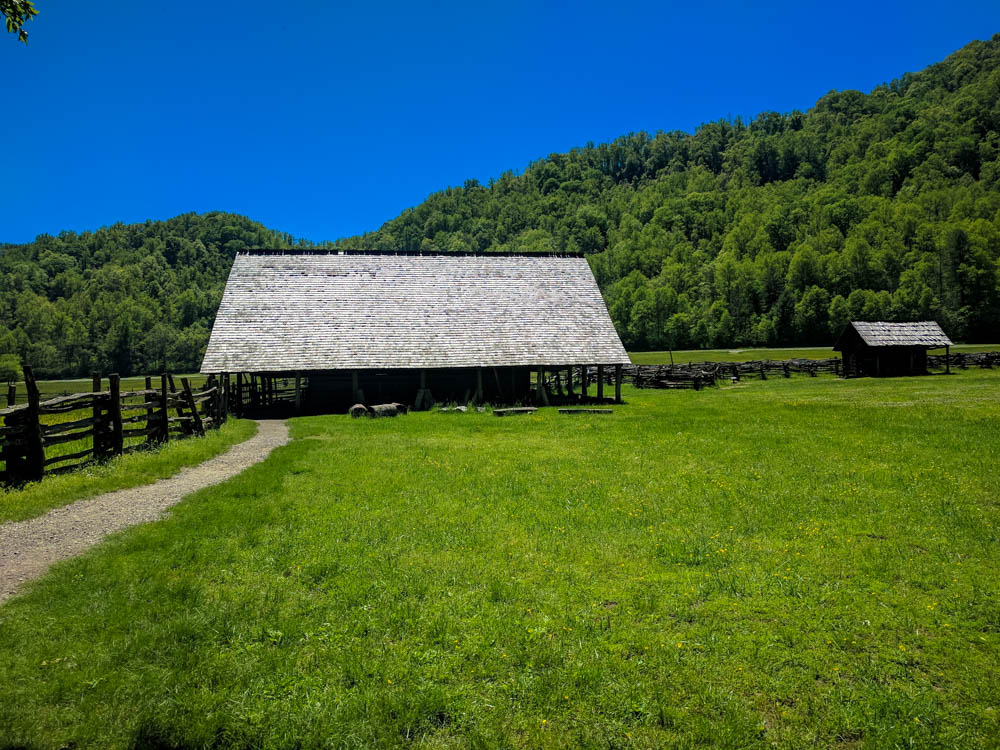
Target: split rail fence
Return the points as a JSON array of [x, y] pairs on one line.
[[698, 375], [61, 434]]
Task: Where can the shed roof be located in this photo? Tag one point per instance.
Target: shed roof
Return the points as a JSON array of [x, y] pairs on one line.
[[308, 311], [925, 333]]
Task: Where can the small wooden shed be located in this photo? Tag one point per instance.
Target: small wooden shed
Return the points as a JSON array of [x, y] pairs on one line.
[[349, 327], [880, 349]]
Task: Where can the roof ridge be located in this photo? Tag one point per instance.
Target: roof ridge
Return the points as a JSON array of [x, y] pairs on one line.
[[421, 253]]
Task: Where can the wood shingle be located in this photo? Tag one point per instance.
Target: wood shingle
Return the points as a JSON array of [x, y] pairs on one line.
[[330, 311], [924, 333]]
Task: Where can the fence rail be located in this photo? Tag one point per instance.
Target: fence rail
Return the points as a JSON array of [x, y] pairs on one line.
[[36, 439]]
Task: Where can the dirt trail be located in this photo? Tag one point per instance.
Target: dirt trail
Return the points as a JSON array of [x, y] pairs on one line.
[[28, 548]]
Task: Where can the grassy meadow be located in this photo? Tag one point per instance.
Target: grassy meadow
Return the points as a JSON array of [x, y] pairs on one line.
[[781, 563], [749, 355]]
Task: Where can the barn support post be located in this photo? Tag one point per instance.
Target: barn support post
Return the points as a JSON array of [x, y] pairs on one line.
[[418, 402], [618, 384], [239, 394], [540, 392], [600, 382], [115, 410], [359, 395], [569, 380], [496, 377], [34, 456], [478, 398], [298, 392], [164, 433], [225, 399], [583, 380]]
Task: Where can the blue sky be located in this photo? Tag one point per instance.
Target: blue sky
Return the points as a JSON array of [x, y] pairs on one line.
[[328, 119]]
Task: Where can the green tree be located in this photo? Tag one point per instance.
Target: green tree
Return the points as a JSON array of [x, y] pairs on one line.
[[10, 368], [839, 315], [17, 13]]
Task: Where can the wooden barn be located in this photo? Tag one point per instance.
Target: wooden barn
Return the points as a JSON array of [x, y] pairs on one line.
[[889, 349], [320, 331]]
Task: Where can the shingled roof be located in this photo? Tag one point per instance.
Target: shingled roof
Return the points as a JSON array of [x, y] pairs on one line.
[[925, 333], [309, 311]]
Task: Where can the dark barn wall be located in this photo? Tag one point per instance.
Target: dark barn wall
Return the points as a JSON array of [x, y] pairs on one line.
[[333, 391], [884, 361]]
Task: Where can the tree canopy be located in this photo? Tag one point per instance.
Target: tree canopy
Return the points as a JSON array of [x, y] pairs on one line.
[[777, 231], [16, 13]]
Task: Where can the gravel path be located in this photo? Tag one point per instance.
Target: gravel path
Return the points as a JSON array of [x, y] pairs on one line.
[[28, 548]]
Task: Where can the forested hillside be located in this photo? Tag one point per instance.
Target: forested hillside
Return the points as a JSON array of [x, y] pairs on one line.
[[880, 206], [128, 299], [869, 206]]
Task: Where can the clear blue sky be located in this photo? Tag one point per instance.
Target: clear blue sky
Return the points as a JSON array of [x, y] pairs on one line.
[[332, 118]]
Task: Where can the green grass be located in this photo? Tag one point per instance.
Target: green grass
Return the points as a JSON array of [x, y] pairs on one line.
[[118, 473], [787, 563], [747, 355]]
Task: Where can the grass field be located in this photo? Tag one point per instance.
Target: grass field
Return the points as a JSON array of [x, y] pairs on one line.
[[52, 388], [748, 355], [783, 563]]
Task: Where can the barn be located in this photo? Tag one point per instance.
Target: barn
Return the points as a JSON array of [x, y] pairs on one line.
[[323, 330], [887, 349]]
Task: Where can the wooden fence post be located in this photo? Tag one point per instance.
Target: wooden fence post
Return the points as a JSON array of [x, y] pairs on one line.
[[100, 441], [115, 407], [193, 407], [164, 434], [216, 401], [209, 406], [150, 415], [11, 394], [34, 465], [186, 425]]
